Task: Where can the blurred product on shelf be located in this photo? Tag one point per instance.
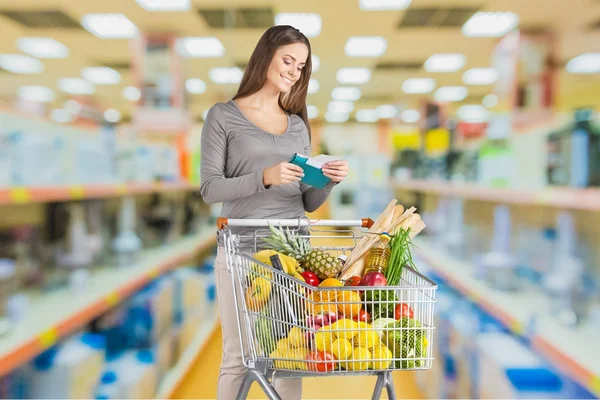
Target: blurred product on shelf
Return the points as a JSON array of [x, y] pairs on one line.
[[8, 287], [570, 156], [128, 375], [564, 280], [127, 244], [498, 265], [39, 153], [574, 152], [477, 357], [68, 370], [127, 352]]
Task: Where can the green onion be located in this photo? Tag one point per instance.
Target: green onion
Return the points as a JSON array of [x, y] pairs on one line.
[[400, 255]]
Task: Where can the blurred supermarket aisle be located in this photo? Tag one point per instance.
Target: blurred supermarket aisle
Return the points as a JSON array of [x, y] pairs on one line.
[[201, 382]]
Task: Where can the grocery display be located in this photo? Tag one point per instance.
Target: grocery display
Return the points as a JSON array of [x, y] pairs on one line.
[[93, 303]]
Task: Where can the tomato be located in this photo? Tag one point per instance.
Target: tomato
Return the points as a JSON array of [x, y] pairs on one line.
[[353, 281], [403, 310], [362, 316], [325, 361], [310, 278]]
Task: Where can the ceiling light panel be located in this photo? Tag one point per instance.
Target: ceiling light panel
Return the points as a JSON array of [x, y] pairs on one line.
[[473, 113], [200, 47], [490, 24], [410, 116], [36, 93], [480, 76], [109, 26], [112, 115], [367, 115], [383, 5], [445, 62], [313, 86], [195, 86], [490, 101], [588, 63], [316, 63], [336, 117], [346, 93], [418, 85], [76, 86], [101, 75], [164, 5], [338, 106], [307, 23], [386, 111], [132, 93], [42, 47], [21, 64], [353, 76], [448, 94], [225, 76], [365, 46]]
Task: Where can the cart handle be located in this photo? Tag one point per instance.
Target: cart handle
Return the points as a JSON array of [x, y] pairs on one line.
[[363, 223]]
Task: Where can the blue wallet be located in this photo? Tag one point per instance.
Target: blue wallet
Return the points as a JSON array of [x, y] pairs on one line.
[[313, 176]]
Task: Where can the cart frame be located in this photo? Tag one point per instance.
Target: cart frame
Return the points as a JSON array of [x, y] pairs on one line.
[[293, 301]]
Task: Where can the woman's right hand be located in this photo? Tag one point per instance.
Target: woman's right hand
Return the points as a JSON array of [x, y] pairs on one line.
[[282, 173]]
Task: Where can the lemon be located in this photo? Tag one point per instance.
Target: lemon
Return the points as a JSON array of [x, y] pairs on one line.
[[300, 355], [324, 340], [383, 355], [361, 359], [368, 339], [346, 328], [283, 344], [277, 356], [341, 349], [296, 337]]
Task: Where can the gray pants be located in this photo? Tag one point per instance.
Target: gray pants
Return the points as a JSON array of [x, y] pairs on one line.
[[232, 366]]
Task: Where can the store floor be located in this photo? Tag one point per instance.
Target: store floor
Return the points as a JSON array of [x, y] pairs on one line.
[[201, 381]]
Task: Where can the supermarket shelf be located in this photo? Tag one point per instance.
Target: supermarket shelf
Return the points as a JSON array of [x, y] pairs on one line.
[[177, 374], [31, 194], [564, 197], [572, 351], [52, 316]]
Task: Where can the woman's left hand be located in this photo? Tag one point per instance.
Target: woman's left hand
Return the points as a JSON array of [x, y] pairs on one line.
[[337, 171]]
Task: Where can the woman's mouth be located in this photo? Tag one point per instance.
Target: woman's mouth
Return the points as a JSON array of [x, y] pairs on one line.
[[287, 81]]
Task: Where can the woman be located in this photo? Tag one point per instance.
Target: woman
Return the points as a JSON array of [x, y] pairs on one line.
[[246, 145]]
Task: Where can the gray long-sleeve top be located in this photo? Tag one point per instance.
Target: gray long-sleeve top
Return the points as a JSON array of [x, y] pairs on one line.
[[235, 152]]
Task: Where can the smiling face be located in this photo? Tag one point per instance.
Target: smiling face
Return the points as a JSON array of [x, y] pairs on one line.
[[287, 66]]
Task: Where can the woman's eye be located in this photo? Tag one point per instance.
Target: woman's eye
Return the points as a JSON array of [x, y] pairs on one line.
[[286, 62]]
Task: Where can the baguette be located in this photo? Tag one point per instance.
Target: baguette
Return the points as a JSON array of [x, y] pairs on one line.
[[357, 254], [416, 229]]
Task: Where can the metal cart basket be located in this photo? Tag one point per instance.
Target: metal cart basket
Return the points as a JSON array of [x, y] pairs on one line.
[[290, 329]]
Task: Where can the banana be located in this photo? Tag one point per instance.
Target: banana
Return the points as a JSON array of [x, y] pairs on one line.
[[288, 263]]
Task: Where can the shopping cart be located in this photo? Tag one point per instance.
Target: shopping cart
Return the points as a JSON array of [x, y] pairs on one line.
[[289, 329]]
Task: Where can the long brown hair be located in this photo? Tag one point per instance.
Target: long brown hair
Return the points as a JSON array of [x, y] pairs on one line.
[[294, 101]]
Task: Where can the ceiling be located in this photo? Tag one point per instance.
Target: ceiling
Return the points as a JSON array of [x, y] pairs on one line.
[[572, 21]]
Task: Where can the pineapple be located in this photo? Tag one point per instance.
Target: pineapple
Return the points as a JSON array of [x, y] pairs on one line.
[[321, 263]]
